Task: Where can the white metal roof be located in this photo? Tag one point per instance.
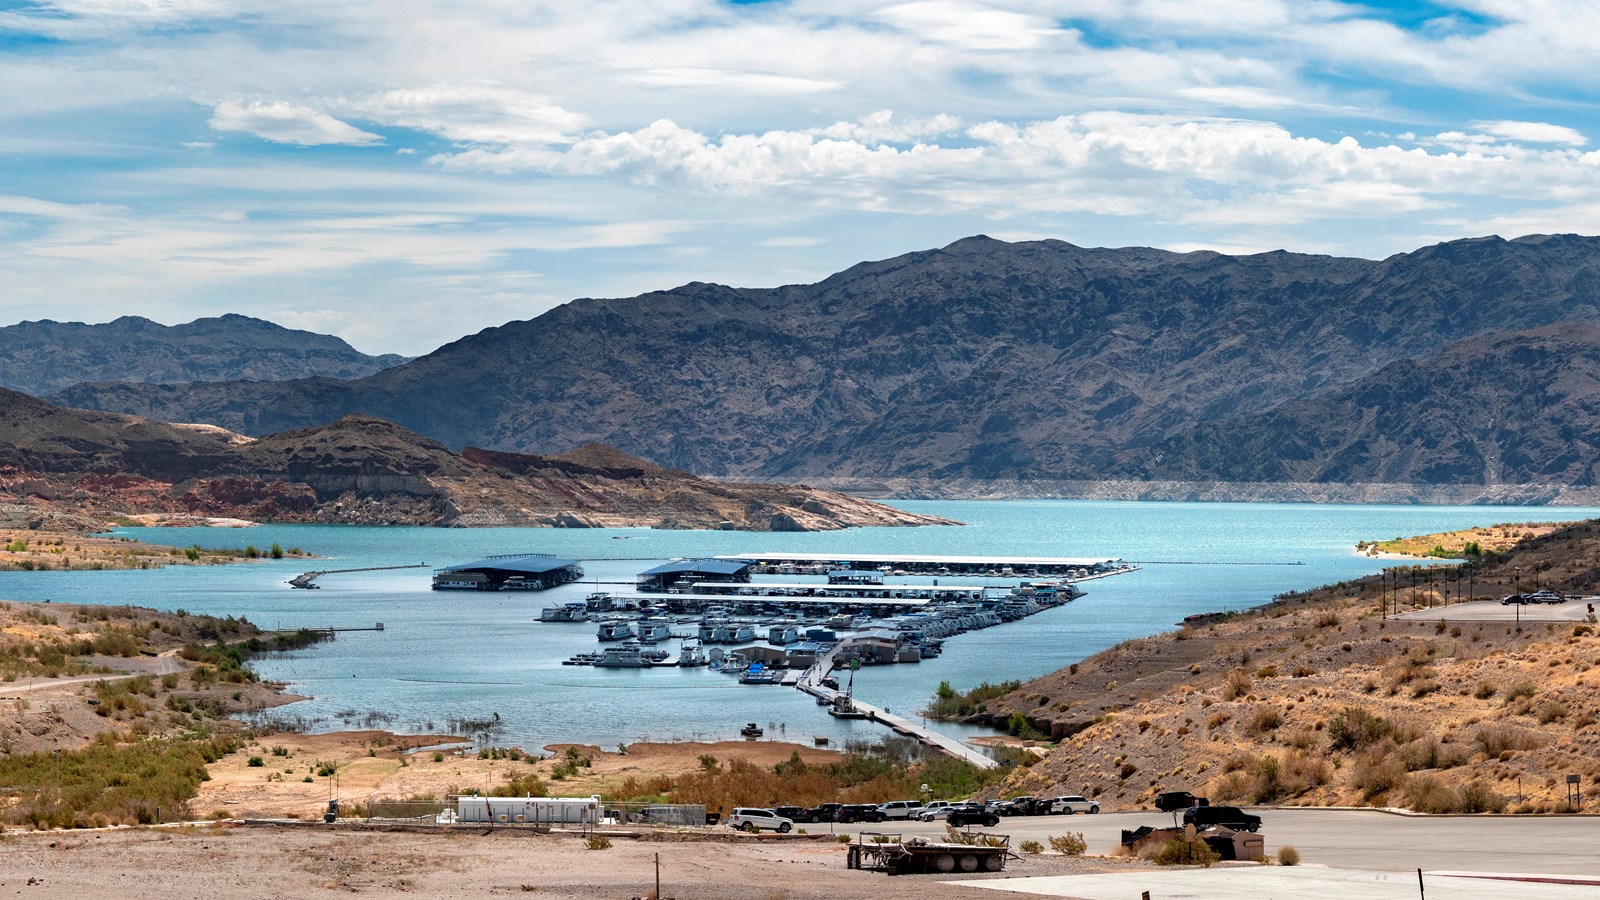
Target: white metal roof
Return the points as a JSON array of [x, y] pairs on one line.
[[816, 586], [1012, 561], [718, 599]]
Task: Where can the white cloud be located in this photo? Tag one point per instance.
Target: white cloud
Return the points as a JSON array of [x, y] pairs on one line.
[[1535, 132], [285, 123], [976, 26], [792, 241], [476, 114]]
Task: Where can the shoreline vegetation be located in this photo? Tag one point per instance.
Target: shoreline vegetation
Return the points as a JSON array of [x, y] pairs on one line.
[[29, 550], [1466, 543], [1321, 697]]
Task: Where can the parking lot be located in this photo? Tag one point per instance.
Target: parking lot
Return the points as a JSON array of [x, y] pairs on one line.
[[1351, 839], [1493, 611]]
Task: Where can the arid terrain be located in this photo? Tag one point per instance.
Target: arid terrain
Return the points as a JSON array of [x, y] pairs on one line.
[[1325, 698]]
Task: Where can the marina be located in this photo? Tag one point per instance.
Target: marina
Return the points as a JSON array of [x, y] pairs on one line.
[[447, 654]]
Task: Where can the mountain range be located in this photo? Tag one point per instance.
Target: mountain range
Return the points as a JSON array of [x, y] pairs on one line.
[[44, 357], [363, 470], [1471, 362]]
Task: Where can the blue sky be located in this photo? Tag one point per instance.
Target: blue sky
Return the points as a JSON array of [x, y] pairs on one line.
[[405, 173]]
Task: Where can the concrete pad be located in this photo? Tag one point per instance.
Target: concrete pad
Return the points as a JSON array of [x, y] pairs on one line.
[[1492, 611], [1280, 883]]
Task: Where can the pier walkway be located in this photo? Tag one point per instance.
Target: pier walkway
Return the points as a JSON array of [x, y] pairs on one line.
[[308, 579], [811, 683]]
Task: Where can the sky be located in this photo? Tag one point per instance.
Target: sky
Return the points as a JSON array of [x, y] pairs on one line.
[[407, 172]]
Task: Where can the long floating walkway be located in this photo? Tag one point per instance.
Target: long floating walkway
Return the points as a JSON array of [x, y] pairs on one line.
[[811, 683]]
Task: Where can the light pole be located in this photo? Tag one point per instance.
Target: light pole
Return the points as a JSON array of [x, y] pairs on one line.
[[1518, 572]]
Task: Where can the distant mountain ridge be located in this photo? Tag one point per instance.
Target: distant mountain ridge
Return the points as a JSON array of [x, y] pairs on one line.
[[46, 356], [364, 470], [1036, 360]]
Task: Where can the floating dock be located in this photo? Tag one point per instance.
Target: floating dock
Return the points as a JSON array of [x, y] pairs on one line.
[[934, 564]]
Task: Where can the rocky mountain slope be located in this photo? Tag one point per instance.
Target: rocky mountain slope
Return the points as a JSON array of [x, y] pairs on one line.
[[989, 360], [1320, 699], [46, 356], [364, 470]]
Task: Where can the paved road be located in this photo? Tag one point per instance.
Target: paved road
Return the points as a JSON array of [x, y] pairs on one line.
[[1357, 839]]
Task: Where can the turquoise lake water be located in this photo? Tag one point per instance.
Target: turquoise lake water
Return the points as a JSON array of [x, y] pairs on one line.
[[466, 655]]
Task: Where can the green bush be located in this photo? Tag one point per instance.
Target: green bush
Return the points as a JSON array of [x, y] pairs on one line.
[[1069, 844], [256, 762]]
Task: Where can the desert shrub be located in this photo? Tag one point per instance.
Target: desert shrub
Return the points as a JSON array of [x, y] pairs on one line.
[[1484, 690], [1376, 775], [1069, 844], [1236, 685], [1267, 718], [1185, 851], [1550, 711], [1497, 739], [1353, 728], [1288, 855], [256, 762], [1431, 753], [1519, 690], [1217, 720], [1031, 847], [1429, 794], [1476, 797], [597, 842]]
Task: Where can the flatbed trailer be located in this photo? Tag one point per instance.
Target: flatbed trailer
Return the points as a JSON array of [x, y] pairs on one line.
[[892, 854]]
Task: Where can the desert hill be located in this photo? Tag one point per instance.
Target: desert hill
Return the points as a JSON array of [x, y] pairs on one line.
[[46, 356], [1321, 699], [994, 360], [366, 470]]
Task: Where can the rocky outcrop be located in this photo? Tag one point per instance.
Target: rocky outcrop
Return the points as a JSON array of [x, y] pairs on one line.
[[364, 470]]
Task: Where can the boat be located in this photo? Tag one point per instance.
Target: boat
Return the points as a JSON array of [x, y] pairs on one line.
[[614, 631], [783, 634], [653, 630], [751, 730], [692, 656], [845, 708], [756, 673], [623, 656], [576, 611]]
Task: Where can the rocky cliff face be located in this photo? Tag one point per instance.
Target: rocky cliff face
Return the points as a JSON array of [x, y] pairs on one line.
[[364, 470], [44, 357], [986, 360]]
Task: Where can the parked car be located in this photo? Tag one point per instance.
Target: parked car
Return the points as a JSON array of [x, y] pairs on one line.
[[971, 814], [1172, 801], [826, 812], [1226, 816], [1545, 597], [1028, 806], [793, 813], [936, 809], [861, 812], [1074, 803], [752, 820], [899, 809]]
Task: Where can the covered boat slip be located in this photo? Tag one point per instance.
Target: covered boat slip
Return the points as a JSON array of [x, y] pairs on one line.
[[758, 604], [934, 564], [801, 590], [518, 572]]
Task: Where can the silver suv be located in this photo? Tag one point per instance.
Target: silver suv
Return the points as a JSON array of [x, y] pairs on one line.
[[899, 809], [1074, 804], [746, 819]]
